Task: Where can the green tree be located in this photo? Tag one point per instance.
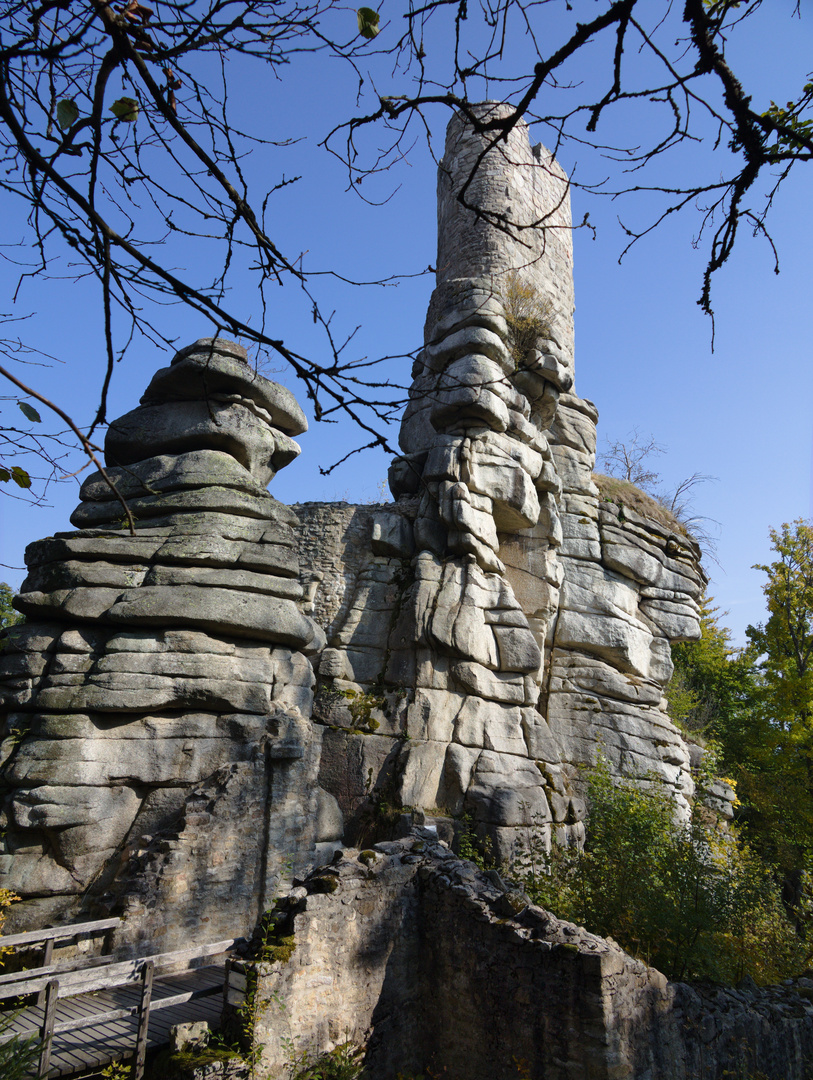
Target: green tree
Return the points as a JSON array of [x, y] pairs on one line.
[[713, 681], [690, 900], [785, 641], [8, 616], [769, 745]]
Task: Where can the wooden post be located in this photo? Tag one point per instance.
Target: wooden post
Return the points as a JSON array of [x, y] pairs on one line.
[[226, 973], [47, 1029], [143, 1018], [47, 957]]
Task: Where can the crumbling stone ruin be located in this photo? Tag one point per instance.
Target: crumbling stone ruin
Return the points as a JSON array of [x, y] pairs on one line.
[[240, 691], [433, 964]]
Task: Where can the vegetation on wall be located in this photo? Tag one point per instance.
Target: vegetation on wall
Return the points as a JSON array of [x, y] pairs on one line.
[[615, 489], [632, 480], [343, 1062], [528, 317]]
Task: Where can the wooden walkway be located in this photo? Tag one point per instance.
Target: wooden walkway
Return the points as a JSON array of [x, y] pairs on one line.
[[96, 1045], [87, 1012]]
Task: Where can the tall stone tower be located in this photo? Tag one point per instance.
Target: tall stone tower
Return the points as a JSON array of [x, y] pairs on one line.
[[506, 622]]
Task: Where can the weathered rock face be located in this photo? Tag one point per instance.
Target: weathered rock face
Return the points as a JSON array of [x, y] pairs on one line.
[[434, 966], [158, 693], [501, 624]]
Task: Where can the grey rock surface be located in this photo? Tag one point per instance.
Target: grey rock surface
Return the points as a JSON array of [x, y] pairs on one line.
[[241, 680], [160, 681], [516, 611]]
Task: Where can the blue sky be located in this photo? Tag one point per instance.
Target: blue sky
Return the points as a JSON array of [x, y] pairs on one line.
[[743, 414]]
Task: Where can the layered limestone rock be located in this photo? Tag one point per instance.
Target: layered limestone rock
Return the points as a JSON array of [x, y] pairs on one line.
[[503, 623], [158, 695], [436, 616]]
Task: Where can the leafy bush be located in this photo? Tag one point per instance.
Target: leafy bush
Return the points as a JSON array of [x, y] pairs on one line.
[[689, 900], [343, 1062], [713, 682]]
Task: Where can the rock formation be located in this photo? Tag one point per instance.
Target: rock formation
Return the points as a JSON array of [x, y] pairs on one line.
[[504, 622], [235, 690], [160, 750]]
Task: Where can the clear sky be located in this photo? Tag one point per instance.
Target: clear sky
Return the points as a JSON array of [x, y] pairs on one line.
[[742, 414]]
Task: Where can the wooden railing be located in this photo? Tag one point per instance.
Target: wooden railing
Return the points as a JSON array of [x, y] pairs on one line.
[[47, 938], [71, 978]]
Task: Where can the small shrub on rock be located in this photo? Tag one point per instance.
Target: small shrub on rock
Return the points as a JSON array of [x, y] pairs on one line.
[[343, 1062]]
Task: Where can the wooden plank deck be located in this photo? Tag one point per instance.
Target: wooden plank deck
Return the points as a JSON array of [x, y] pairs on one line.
[[97, 1045]]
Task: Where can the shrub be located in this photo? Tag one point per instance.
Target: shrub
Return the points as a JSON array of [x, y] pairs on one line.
[[528, 317], [343, 1062], [689, 900]]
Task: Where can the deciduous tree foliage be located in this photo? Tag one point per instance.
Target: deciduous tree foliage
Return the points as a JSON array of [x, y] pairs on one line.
[[770, 744], [120, 148], [713, 682], [690, 900], [8, 616], [755, 708], [785, 640]]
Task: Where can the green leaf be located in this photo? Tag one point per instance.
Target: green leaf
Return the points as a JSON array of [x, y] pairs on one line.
[[125, 109], [67, 113], [20, 477], [4, 475], [29, 412], [368, 22]]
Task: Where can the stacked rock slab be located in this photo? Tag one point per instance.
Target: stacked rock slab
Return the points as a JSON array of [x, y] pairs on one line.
[[501, 624], [160, 757]]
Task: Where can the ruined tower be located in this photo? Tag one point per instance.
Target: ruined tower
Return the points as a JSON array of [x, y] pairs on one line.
[[503, 619]]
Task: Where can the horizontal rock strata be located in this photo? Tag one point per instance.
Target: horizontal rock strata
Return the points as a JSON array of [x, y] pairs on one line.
[[159, 750]]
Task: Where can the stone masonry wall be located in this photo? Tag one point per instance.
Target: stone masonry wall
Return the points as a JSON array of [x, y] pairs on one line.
[[434, 965]]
